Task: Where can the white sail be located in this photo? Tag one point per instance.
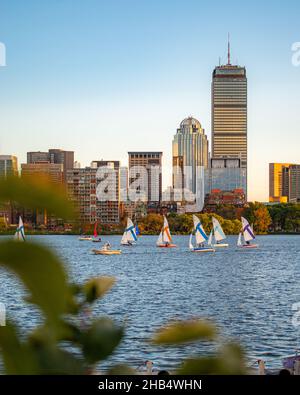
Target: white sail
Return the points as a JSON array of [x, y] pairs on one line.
[[247, 230], [200, 234], [191, 247], [218, 231], [166, 232], [160, 239], [124, 239], [129, 234], [239, 242], [210, 238], [20, 233]]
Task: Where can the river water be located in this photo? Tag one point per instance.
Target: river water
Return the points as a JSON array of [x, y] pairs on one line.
[[248, 293]]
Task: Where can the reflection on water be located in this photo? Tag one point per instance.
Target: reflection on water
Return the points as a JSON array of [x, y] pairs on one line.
[[249, 294]]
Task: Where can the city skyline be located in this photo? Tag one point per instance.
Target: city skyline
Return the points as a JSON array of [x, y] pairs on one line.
[[85, 84]]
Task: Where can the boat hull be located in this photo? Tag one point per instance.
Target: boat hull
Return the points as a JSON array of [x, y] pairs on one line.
[[249, 246], [220, 245], [107, 252], [166, 245], [85, 238], [204, 249]]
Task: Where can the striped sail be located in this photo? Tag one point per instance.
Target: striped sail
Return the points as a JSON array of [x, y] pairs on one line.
[[247, 230], [200, 234], [20, 233], [129, 233], [218, 231], [166, 234]]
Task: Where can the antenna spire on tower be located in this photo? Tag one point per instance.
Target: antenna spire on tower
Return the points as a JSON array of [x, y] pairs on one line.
[[228, 54]]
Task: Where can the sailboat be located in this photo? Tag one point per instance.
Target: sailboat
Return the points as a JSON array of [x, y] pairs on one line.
[[218, 234], [96, 238], [248, 235], [129, 235], [20, 233], [201, 238], [165, 239]]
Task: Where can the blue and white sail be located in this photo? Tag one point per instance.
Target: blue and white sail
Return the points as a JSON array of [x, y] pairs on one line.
[[200, 234], [218, 231], [247, 230], [20, 232], [129, 235]]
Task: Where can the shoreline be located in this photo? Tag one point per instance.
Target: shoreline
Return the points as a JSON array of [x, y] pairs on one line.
[[28, 233]]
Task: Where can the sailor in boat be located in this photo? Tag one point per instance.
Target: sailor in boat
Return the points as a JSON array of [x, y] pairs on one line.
[[107, 246]]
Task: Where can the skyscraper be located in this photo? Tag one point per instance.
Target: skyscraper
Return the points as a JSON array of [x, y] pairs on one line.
[[190, 151], [229, 112]]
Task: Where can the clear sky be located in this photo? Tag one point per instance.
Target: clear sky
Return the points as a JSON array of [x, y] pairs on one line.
[[104, 77]]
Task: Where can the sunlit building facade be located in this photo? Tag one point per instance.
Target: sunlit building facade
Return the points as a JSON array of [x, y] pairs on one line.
[[275, 182], [229, 113], [8, 166], [190, 152]]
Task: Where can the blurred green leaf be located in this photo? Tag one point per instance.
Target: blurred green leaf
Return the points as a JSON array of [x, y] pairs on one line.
[[37, 193], [229, 361], [184, 332], [41, 272], [96, 287], [53, 360], [100, 340], [17, 357]]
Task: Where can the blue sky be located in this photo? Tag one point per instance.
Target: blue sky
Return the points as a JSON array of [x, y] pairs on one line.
[[104, 77]]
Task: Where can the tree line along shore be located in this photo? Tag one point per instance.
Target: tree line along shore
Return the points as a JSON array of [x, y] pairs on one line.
[[266, 219]]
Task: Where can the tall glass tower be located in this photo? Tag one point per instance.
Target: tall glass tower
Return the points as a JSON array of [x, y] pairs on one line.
[[229, 112], [190, 151]]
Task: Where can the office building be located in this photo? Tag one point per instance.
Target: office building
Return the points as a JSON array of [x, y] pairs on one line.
[[145, 177], [50, 172], [8, 166], [190, 152], [275, 182], [291, 183], [226, 175], [108, 196], [56, 156], [81, 185], [229, 112]]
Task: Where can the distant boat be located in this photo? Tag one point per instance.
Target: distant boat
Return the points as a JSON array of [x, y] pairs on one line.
[[247, 234], [218, 234], [20, 232], [106, 250], [85, 238], [165, 239], [129, 236], [201, 238], [96, 238]]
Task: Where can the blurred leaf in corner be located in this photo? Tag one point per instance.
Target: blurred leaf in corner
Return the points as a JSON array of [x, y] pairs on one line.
[[184, 332], [17, 357], [37, 193], [42, 274]]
